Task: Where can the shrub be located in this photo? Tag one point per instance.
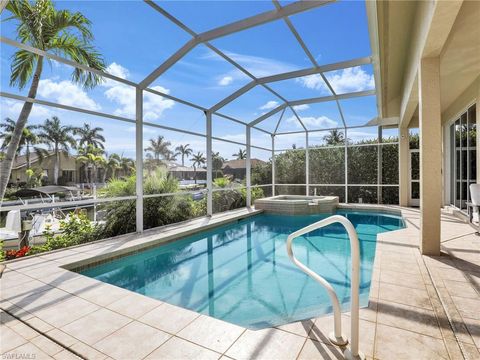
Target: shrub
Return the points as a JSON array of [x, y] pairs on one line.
[[76, 229], [14, 254]]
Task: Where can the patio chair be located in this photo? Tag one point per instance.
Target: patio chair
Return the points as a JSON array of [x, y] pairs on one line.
[[474, 204]]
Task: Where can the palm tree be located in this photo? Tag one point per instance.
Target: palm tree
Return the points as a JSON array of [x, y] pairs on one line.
[[28, 140], [241, 155], [198, 160], [58, 138], [90, 136], [112, 164], [62, 32], [334, 137], [159, 148], [217, 163], [185, 151], [91, 157], [127, 165]]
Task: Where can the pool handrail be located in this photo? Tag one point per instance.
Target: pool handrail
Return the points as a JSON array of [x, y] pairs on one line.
[[337, 337]]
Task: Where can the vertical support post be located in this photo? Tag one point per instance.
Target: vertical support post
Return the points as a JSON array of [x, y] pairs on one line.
[[273, 165], [248, 169], [379, 166], [139, 158], [477, 121], [307, 165], [208, 116], [430, 155], [346, 166], [404, 165]]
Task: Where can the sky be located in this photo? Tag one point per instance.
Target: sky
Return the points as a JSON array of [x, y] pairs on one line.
[[134, 39]]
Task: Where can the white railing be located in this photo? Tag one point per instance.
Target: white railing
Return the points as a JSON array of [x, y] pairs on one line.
[[337, 337]]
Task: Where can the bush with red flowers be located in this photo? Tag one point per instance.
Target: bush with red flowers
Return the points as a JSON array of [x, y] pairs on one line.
[[13, 254]]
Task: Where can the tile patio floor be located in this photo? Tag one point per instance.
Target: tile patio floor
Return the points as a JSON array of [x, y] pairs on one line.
[[54, 313]]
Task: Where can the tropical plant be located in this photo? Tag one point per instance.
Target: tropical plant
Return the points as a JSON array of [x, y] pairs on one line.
[[127, 165], [185, 151], [90, 136], [76, 229], [58, 138], [217, 163], [334, 137], [28, 140], [158, 211], [62, 32], [159, 148], [241, 155], [112, 164], [197, 160], [91, 158]]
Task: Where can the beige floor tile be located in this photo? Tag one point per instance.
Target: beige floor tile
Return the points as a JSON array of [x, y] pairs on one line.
[[87, 352], [468, 308], [101, 293], [66, 355], [301, 328], [133, 341], [409, 318], [398, 344], [461, 289], [10, 339], [402, 279], [211, 333], [473, 327], [65, 312], [46, 345], [471, 351], [62, 337], [325, 325], [317, 350], [404, 295], [266, 344], [27, 350], [100, 324], [399, 266], [176, 348], [450, 274], [169, 318], [134, 305], [39, 324], [25, 331]]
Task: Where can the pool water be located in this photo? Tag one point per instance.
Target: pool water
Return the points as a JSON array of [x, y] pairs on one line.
[[241, 273]]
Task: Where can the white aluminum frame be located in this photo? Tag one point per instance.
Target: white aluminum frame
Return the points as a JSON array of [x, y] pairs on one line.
[[280, 13]]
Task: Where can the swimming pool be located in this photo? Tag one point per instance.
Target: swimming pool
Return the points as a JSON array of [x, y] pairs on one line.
[[240, 272]]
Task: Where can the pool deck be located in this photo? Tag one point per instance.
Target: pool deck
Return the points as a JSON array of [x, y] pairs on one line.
[[420, 307]]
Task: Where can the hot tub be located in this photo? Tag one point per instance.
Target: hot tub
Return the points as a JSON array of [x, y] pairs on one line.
[[297, 204]]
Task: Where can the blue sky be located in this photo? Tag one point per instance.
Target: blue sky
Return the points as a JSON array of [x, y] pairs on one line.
[[134, 39]]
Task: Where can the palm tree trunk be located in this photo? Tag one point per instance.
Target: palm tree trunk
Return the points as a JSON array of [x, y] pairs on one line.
[[7, 163], [195, 174], [27, 155], [183, 159], [56, 168]]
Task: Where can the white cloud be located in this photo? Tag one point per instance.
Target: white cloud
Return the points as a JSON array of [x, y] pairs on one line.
[[124, 95], [269, 105], [226, 80], [342, 81], [301, 107], [11, 109], [320, 122], [314, 82], [153, 105], [66, 93], [117, 70], [351, 80]]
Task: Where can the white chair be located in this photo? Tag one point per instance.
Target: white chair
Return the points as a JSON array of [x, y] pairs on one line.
[[475, 203]]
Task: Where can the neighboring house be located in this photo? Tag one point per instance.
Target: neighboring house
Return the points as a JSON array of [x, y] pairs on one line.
[[238, 168], [68, 168], [186, 172]]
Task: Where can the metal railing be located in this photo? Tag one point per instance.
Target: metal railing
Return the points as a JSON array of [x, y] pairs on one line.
[[337, 337]]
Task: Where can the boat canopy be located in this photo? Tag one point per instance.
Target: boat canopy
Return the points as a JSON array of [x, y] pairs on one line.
[[46, 190]]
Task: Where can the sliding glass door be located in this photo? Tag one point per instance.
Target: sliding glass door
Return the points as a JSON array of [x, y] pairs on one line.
[[463, 154]]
